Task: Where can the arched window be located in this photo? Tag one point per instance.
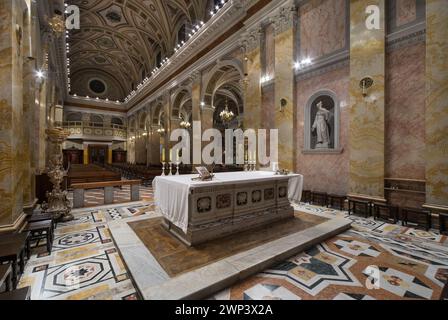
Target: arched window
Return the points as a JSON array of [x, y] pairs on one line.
[[97, 121], [74, 117], [117, 121], [322, 122]]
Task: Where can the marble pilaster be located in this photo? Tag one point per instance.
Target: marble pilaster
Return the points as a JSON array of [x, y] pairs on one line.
[[196, 115], [11, 110], [285, 30], [29, 104], [252, 94], [437, 103], [367, 125]]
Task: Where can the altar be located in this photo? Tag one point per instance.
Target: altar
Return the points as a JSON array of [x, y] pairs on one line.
[[200, 211]]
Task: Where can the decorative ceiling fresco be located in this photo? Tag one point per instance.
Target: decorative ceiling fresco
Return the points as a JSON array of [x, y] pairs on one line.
[[121, 41]]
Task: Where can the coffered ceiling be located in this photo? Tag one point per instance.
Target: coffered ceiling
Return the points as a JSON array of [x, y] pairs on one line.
[[119, 40]]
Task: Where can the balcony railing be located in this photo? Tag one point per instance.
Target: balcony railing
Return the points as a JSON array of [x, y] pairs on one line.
[[81, 130]]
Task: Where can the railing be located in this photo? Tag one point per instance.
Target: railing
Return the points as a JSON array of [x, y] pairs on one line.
[[79, 129]]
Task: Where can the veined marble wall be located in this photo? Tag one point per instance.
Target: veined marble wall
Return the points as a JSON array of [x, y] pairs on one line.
[[405, 112], [284, 90], [406, 11], [12, 166], [322, 27], [437, 103], [367, 58], [324, 172]]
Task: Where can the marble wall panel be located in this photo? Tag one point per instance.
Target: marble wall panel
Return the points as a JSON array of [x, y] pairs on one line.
[[322, 27], [284, 90], [252, 114], [269, 50], [324, 172], [11, 101], [405, 112], [406, 11], [437, 102], [367, 127]]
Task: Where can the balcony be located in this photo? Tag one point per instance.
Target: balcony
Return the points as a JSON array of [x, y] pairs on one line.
[[94, 130]]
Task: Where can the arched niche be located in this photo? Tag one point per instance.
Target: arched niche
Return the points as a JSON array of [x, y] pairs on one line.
[[322, 123]]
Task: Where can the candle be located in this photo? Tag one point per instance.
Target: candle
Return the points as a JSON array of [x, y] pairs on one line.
[[171, 155], [163, 154]]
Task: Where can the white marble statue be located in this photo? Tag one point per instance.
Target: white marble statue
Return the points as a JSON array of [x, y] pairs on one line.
[[321, 127]]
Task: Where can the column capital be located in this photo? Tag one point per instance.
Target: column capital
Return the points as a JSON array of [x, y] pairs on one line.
[[285, 18], [252, 38], [195, 76]]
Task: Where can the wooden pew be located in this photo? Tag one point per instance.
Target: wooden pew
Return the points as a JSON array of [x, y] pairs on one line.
[[90, 174], [79, 189]]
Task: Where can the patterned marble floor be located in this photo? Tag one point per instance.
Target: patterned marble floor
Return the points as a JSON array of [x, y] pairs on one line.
[[410, 264], [372, 261]]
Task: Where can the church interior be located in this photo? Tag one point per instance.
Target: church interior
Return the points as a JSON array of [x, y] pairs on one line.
[[333, 184]]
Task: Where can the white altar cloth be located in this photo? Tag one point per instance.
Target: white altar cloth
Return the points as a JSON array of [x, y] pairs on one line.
[[171, 192]]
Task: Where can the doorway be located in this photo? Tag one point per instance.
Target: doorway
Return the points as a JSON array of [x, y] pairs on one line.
[[98, 155]]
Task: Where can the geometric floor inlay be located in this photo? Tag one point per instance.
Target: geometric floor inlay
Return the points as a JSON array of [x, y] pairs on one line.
[[406, 263]]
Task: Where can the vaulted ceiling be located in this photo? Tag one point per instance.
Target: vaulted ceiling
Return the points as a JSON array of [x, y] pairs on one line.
[[119, 40]]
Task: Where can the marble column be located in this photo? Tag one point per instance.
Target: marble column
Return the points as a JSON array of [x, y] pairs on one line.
[[285, 53], [437, 104], [109, 154], [86, 154], [367, 126], [12, 154], [252, 94], [196, 137], [166, 140], [29, 105]]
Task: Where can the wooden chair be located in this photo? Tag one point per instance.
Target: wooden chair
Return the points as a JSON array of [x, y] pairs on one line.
[[5, 276], [336, 201], [319, 198], [444, 295], [421, 218], [385, 212], [443, 219], [41, 230], [13, 248], [359, 207], [306, 196]]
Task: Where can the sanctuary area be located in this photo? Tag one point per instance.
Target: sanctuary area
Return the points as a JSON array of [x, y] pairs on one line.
[[223, 150]]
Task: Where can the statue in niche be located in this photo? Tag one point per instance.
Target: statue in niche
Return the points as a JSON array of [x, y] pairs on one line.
[[321, 127]]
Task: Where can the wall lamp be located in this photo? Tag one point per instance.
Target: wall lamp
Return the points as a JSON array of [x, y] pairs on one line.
[[365, 84]]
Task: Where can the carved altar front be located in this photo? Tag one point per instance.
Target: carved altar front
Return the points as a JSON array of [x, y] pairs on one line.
[[217, 210]]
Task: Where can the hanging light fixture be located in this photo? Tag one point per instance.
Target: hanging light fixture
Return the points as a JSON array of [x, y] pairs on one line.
[[226, 115]]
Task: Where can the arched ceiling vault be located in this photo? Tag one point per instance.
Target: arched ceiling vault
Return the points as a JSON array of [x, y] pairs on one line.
[[124, 37]]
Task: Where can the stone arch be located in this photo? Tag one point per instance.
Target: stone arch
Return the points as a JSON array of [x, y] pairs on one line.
[[142, 121], [178, 99], [224, 71], [332, 104], [158, 114]]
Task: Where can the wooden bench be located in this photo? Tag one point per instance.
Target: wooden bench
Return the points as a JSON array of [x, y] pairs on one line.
[[79, 189], [5, 276], [13, 249], [17, 295]]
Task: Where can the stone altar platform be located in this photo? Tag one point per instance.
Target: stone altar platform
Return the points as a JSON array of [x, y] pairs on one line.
[[164, 268]]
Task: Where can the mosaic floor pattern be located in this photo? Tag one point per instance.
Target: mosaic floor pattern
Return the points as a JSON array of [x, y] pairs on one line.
[[84, 263], [373, 260]]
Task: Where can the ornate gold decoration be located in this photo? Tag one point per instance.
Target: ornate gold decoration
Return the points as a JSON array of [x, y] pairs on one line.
[[57, 25], [58, 203], [226, 115]]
